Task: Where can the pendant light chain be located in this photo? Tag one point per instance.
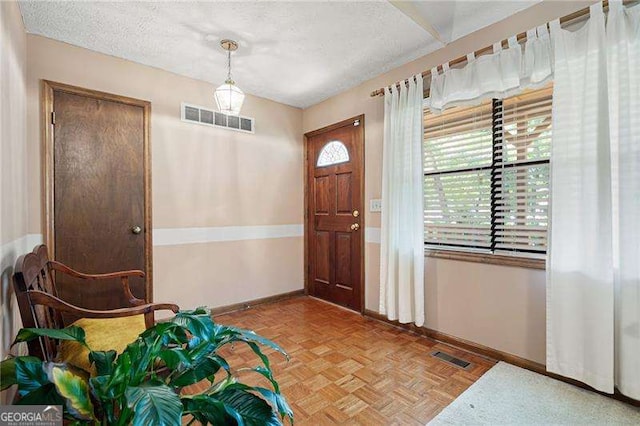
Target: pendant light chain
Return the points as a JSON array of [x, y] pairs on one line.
[[228, 64]]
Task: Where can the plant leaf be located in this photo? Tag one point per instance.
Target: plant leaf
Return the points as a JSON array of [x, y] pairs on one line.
[[173, 357], [73, 388], [100, 387], [142, 356], [72, 332], [266, 372], [253, 410], [276, 399], [256, 349], [44, 395], [200, 351], [233, 413], [7, 373], [154, 404], [201, 310], [199, 325], [106, 395], [104, 361], [206, 409], [203, 369], [168, 331], [30, 374], [278, 402], [123, 369], [248, 335]]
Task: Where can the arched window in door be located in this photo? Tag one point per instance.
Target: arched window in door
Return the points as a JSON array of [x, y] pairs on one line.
[[333, 153]]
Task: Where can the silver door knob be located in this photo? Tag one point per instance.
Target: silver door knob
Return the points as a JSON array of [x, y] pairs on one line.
[[136, 230]]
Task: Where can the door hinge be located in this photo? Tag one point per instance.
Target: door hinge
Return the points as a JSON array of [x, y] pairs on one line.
[[356, 123], [53, 117]]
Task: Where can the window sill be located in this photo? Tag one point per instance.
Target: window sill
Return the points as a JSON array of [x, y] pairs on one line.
[[491, 259]]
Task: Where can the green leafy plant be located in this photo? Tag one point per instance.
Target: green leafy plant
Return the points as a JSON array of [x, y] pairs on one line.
[[141, 386]]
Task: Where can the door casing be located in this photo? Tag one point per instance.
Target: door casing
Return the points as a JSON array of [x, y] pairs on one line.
[[48, 88], [308, 224]]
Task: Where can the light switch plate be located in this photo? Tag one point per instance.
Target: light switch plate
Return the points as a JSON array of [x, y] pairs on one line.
[[375, 206]]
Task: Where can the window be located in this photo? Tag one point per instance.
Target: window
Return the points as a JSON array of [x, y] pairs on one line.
[[333, 153], [486, 176]]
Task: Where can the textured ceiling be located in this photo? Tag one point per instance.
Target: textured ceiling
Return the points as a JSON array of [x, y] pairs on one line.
[[297, 53]]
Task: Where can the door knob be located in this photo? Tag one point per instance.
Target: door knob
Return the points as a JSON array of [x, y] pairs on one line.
[[136, 230], [355, 227], [356, 213]]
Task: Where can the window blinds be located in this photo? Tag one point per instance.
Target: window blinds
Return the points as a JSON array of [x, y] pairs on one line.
[[486, 175], [458, 151]]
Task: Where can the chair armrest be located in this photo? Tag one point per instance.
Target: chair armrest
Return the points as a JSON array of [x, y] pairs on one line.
[[41, 298], [123, 275], [61, 267]]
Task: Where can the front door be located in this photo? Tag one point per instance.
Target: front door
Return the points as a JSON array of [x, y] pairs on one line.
[[99, 192], [335, 219]]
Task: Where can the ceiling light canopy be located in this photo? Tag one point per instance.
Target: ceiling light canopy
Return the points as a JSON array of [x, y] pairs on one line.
[[229, 97]]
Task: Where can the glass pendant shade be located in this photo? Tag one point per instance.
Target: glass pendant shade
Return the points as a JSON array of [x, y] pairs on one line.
[[229, 98]]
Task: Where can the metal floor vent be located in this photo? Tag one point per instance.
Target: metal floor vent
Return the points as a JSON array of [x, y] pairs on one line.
[[196, 114], [452, 360]]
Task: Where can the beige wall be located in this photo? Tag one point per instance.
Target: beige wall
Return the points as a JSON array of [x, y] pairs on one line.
[[203, 177], [500, 307], [13, 223], [13, 181]]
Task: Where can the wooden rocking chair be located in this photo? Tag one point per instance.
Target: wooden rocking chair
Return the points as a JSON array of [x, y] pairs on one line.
[[40, 306]]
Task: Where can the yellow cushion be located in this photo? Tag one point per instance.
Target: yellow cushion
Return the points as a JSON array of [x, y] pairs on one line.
[[101, 334]]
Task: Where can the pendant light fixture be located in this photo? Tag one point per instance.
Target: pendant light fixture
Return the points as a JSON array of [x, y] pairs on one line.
[[228, 96]]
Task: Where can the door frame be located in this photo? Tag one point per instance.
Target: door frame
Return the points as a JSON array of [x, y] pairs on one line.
[[308, 225], [48, 88]]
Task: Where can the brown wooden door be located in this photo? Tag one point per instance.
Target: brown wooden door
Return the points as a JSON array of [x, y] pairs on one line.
[[335, 220], [100, 194]]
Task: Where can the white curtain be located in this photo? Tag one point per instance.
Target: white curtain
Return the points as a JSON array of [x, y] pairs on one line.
[[501, 74], [537, 62], [623, 61], [593, 285], [402, 233], [580, 262]]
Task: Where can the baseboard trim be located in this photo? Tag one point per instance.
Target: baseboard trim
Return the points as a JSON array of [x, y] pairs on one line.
[[255, 302], [493, 354]]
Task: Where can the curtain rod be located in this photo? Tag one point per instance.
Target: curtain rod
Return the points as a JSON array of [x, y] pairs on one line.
[[522, 37]]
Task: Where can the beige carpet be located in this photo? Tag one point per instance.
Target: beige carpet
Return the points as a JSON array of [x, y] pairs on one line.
[[509, 395]]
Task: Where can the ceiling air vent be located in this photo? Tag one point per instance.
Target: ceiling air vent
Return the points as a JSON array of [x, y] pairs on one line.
[[207, 117]]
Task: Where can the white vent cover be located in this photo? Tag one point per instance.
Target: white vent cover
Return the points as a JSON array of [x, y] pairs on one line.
[[196, 114]]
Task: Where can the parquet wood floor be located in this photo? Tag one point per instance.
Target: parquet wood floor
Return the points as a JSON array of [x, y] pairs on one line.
[[348, 369]]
